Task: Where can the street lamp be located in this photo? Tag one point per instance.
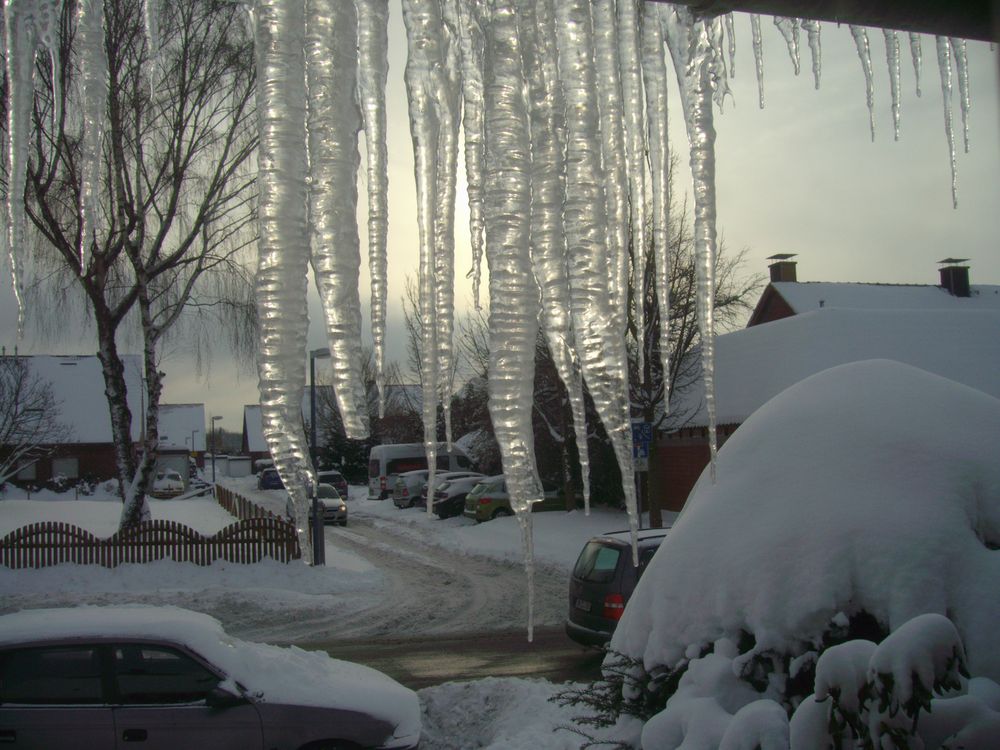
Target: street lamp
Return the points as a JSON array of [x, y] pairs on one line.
[[214, 420], [319, 552]]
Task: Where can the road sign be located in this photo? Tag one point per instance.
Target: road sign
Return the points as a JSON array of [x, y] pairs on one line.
[[642, 436]]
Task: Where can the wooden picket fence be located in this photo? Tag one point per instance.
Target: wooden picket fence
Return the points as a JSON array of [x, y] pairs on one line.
[[239, 506], [250, 540]]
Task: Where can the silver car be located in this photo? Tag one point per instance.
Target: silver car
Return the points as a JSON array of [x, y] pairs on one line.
[[165, 678]]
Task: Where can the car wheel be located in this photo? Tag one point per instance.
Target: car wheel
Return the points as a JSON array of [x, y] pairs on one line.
[[501, 512]]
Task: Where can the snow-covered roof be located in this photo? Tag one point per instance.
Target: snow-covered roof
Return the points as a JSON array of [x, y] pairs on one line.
[[78, 386], [270, 673], [869, 486], [178, 422], [755, 364], [805, 296]]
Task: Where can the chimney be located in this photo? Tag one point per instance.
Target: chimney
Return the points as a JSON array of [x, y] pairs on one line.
[[783, 268], [955, 277]]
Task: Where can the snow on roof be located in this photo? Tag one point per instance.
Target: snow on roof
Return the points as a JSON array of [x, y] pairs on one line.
[[271, 673], [804, 296], [870, 486], [178, 422], [754, 364], [78, 386]]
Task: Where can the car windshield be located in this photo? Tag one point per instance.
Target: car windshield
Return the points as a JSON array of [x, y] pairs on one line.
[[597, 562], [327, 492]]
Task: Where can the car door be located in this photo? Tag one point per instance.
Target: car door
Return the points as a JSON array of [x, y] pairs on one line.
[[161, 696], [54, 698]]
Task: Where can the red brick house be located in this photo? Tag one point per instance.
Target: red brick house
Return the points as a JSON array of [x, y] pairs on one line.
[[800, 328]]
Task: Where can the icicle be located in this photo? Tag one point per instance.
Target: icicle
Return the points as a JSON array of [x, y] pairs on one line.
[[944, 66], [731, 35], [609, 90], [422, 21], [758, 55], [629, 30], [333, 123], [448, 100], [373, 66], [691, 51], [94, 71], [48, 14], [654, 69], [917, 55], [22, 40], [513, 291], [548, 238], [717, 71], [892, 60], [471, 41], [283, 254], [864, 52], [789, 28], [600, 346], [815, 48], [962, 63], [151, 20]]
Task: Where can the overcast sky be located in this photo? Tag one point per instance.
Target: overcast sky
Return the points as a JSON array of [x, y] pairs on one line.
[[800, 176]]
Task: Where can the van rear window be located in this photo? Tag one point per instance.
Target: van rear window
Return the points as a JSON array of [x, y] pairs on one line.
[[373, 469], [400, 465], [597, 563]]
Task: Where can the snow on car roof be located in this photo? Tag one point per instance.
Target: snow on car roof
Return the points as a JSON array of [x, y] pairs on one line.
[[642, 536], [271, 674]]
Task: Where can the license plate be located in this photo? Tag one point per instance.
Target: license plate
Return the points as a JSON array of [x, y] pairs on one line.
[[582, 604]]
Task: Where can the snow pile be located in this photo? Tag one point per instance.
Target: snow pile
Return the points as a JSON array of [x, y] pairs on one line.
[[870, 487]]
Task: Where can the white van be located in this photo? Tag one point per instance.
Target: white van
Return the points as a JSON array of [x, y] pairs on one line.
[[386, 461]]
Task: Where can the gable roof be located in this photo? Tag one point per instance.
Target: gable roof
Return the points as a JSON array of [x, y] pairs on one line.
[[754, 364], [178, 422], [804, 296], [78, 387]]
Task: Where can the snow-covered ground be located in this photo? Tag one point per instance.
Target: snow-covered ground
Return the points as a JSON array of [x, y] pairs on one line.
[[364, 591]]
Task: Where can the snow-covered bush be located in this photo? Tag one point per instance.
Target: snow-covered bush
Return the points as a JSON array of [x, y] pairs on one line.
[[860, 498]]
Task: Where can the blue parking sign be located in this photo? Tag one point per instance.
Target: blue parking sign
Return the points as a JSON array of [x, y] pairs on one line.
[[642, 436]]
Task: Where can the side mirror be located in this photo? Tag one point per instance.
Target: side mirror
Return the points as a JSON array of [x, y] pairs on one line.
[[221, 698]]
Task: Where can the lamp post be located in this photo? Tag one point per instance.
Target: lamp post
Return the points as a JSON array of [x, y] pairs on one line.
[[214, 420], [319, 552]]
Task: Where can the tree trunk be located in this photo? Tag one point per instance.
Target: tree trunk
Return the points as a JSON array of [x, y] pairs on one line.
[[115, 391], [136, 508], [650, 487]]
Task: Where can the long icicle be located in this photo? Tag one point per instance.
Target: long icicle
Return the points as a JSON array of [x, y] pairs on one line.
[[601, 349], [917, 55], [731, 35], [789, 28], [548, 237], [94, 72], [283, 255], [422, 18], [864, 52], [654, 70], [470, 30], [333, 123], [813, 29], [958, 48], [513, 291], [373, 67], [892, 61], [691, 50], [944, 67], [758, 55]]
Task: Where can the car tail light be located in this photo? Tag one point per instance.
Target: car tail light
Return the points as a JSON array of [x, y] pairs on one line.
[[406, 492], [614, 606], [382, 482], [485, 501]]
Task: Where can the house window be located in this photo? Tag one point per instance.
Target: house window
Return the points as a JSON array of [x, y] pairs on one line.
[[28, 473], [68, 467]]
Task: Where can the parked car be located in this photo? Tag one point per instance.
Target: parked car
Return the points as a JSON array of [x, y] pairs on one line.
[[449, 499], [269, 479], [334, 477], [385, 462], [331, 505], [490, 500], [407, 487], [168, 483], [602, 581], [164, 677], [439, 479]]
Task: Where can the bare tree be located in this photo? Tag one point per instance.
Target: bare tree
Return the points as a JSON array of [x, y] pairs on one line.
[[29, 417], [176, 200]]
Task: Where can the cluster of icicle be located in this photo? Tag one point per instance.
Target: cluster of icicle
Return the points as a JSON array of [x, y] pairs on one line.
[[563, 109]]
